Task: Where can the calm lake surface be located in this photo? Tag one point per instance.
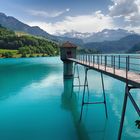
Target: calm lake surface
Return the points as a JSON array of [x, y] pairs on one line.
[[35, 104]]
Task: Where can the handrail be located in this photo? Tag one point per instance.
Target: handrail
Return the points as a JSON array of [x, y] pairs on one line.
[[123, 62]]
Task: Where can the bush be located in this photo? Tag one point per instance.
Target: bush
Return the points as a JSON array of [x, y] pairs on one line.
[[23, 55], [8, 54], [38, 55], [31, 55]]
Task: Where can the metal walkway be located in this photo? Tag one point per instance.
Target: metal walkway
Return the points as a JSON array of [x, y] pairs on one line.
[[125, 68]]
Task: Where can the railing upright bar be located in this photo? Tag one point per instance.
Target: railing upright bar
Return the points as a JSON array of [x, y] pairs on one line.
[[89, 59], [126, 67], [101, 59], [119, 62], [114, 65], [93, 60], [98, 61], [128, 63], [105, 61], [112, 61]]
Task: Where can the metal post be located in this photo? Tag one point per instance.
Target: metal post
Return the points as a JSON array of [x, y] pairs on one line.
[[104, 94], [114, 64], [123, 112], [101, 59], [119, 61], [111, 60], [105, 62], [128, 62], [126, 67], [93, 59], [84, 91], [98, 61], [89, 59], [84, 58]]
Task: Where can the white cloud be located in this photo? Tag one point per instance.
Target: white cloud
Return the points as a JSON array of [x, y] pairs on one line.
[[132, 28], [128, 9], [52, 14], [68, 9], [83, 23], [123, 7]]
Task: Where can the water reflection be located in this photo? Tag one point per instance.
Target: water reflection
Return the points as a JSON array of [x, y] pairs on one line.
[[70, 104], [16, 74]]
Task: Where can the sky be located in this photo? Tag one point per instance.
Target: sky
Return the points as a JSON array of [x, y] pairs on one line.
[[60, 16]]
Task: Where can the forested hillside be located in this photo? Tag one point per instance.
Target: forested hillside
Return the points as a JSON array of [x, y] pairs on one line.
[[26, 44]]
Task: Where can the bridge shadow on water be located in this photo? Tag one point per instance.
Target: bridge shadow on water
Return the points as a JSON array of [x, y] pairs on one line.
[[70, 102]]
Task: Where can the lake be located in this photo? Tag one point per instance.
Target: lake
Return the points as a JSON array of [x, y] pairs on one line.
[[36, 103]]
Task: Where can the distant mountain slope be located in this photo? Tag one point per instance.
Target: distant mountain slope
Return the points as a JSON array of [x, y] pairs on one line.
[[135, 48], [108, 35], [122, 45], [16, 25], [104, 35]]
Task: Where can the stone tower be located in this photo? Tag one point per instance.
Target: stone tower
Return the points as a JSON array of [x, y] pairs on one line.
[[68, 50]]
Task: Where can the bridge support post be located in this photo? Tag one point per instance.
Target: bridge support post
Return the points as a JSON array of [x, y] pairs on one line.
[[104, 95], [67, 50], [123, 112], [76, 75], [84, 93], [126, 96]]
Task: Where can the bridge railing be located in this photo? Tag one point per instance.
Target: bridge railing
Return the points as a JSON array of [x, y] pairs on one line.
[[124, 62]]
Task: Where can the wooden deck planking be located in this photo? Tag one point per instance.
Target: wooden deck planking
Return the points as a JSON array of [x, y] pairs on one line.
[[120, 74]]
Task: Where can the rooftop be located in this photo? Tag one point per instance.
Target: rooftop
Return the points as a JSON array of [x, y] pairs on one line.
[[68, 45]]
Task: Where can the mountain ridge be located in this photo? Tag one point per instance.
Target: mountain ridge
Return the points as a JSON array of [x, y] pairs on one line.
[[119, 46], [16, 25], [104, 35]]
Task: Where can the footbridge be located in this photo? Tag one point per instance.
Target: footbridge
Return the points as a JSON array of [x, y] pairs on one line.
[[125, 68]]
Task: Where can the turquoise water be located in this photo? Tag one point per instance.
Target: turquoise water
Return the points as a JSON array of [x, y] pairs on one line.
[[36, 104]]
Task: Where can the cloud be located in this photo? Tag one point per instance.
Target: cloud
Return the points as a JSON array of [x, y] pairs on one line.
[[68, 9], [133, 28], [52, 14], [83, 23], [123, 7], [128, 9]]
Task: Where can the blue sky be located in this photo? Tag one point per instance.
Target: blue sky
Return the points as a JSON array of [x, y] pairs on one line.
[[59, 16]]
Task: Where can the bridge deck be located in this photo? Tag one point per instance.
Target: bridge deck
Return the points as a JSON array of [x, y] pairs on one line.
[[132, 78]]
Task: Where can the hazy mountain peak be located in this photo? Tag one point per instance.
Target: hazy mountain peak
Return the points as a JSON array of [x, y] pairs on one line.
[[104, 35], [2, 14]]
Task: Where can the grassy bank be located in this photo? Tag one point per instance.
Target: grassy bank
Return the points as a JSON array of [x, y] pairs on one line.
[[4, 53]]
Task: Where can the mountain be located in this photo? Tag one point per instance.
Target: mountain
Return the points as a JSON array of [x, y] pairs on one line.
[[104, 35], [16, 25], [135, 48], [108, 35], [119, 46], [75, 34]]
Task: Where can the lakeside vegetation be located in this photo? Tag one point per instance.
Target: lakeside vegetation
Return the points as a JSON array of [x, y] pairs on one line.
[[23, 45]]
